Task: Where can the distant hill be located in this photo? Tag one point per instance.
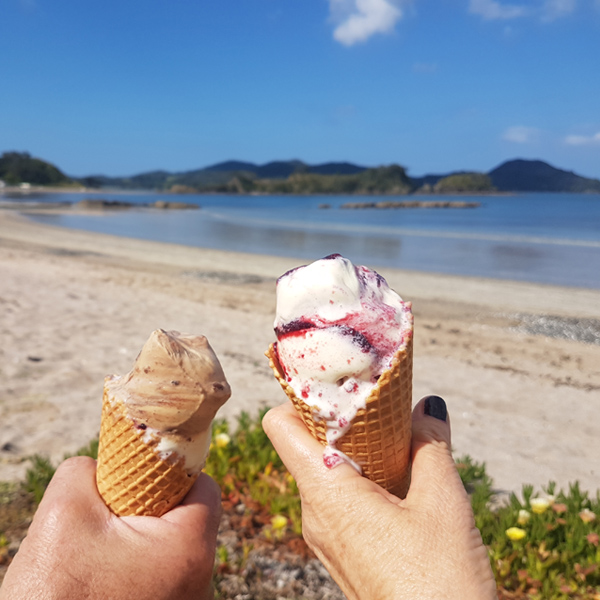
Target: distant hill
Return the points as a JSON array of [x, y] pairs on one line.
[[21, 167], [391, 180], [432, 180], [537, 176], [228, 176], [236, 176], [297, 177]]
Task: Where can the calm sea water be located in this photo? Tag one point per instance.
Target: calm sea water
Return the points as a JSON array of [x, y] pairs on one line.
[[545, 238]]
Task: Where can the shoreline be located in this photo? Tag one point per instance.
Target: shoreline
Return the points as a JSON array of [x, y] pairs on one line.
[[83, 190], [83, 304]]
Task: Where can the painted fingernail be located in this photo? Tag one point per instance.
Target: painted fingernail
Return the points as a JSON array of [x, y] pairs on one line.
[[435, 407]]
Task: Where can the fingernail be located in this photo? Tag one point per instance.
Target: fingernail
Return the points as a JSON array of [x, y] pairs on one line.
[[435, 407]]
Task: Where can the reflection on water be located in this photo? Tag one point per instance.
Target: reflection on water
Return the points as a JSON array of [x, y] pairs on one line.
[[517, 258], [309, 244], [555, 261]]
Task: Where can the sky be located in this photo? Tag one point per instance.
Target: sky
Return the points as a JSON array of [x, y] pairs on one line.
[[121, 87]]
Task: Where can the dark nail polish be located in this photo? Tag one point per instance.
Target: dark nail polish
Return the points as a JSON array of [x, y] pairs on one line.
[[435, 407]]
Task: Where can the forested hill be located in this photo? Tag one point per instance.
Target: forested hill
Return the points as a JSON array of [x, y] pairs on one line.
[[538, 176], [20, 167], [297, 177]]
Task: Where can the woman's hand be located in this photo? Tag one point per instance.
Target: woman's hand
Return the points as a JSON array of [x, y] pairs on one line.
[[375, 545]]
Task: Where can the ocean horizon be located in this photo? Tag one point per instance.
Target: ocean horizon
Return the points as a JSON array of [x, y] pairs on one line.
[[545, 238]]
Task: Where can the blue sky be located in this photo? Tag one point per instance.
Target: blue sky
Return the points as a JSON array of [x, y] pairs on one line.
[[119, 87]]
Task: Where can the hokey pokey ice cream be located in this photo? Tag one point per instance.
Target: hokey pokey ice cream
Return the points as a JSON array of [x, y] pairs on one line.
[[344, 357], [156, 424]]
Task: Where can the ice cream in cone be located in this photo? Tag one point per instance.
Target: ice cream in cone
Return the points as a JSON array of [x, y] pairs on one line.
[[343, 356], [156, 424]]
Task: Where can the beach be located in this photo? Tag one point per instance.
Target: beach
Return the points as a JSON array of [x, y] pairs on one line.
[[77, 306]]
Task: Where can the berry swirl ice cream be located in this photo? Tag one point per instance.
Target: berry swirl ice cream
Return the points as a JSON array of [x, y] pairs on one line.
[[339, 329]]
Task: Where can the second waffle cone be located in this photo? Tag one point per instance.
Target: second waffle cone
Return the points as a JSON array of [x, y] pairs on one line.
[[131, 476], [379, 437]]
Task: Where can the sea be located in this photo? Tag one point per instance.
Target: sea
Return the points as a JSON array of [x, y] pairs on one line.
[[549, 238]]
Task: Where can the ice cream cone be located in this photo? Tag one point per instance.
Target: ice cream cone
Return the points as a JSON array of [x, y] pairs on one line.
[[131, 476], [380, 435]]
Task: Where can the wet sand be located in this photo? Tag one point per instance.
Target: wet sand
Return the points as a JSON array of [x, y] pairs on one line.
[[518, 364]]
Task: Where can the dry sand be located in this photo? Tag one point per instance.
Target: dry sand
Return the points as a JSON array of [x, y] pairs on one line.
[[76, 306]]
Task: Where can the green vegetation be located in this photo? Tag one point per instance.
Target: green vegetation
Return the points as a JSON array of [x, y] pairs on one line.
[[20, 167], [383, 180], [543, 545], [248, 470], [301, 180], [464, 182]]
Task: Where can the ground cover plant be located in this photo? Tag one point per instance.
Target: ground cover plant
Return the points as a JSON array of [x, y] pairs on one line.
[[543, 544]]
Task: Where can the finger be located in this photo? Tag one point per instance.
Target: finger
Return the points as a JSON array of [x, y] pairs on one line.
[[201, 507], [300, 452], [434, 474], [73, 492]]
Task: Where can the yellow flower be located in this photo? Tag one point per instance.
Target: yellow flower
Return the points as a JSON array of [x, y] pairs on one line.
[[587, 516], [279, 522], [524, 516], [515, 533], [539, 505], [222, 440]]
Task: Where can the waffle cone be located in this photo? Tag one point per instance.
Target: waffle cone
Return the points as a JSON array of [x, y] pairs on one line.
[[379, 437], [132, 479]]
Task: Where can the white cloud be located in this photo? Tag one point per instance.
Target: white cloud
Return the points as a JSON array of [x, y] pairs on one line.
[[521, 135], [583, 140], [491, 10], [555, 9], [358, 20]]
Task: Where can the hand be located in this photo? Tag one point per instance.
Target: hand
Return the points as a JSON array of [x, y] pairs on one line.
[[375, 545], [77, 549]]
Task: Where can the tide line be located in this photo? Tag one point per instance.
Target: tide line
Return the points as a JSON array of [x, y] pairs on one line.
[[400, 231]]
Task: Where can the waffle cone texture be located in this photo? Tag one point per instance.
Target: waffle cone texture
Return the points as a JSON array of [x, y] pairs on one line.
[[379, 437], [131, 477]]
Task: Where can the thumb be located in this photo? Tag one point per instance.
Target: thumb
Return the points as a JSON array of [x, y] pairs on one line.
[[74, 482], [434, 473]]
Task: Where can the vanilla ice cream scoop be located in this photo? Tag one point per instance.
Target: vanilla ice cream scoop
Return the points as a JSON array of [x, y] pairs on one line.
[[338, 327]]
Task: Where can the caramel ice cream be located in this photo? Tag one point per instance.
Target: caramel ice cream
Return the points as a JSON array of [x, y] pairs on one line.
[[156, 423]]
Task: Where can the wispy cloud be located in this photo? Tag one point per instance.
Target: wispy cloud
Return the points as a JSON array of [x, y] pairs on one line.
[[358, 20], [583, 140], [556, 9], [28, 5], [520, 134], [491, 10], [546, 10], [422, 67]]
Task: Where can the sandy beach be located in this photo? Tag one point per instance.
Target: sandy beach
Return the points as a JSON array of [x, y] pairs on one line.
[[76, 306]]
